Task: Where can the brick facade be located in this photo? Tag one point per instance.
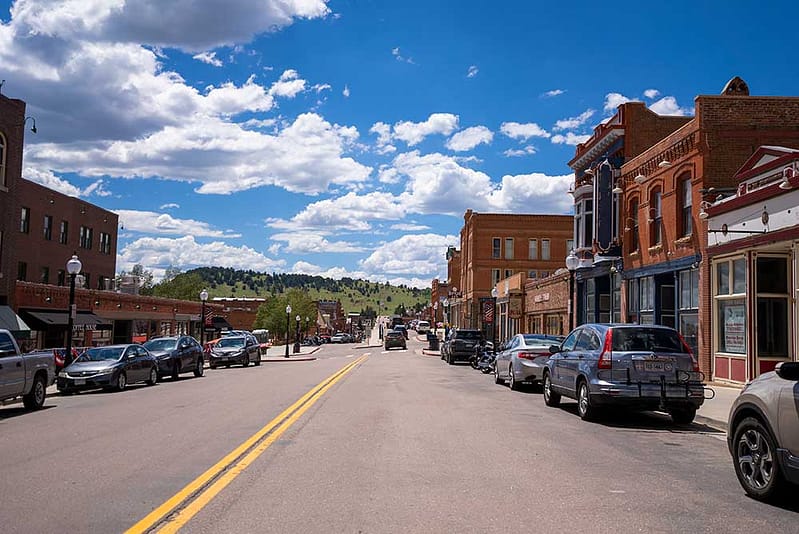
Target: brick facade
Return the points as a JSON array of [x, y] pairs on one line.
[[546, 304]]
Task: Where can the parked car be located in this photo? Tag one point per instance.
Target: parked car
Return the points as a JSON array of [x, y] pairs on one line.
[[235, 349], [24, 375], [394, 338], [341, 337], [401, 328], [460, 344], [631, 366], [111, 367], [422, 327], [176, 354], [763, 435], [523, 359]]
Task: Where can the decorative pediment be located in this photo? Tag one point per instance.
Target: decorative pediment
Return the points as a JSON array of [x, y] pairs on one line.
[[736, 87], [763, 158]]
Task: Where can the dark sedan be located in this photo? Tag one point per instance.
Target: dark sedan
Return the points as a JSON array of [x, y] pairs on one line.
[[235, 350], [112, 367], [177, 354]]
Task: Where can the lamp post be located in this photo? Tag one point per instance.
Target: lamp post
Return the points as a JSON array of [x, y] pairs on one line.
[[572, 261], [288, 316], [203, 298], [73, 268], [495, 318], [435, 316], [297, 336], [307, 320]]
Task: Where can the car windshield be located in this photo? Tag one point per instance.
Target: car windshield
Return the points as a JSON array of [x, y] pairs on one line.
[[394, 334], [646, 339], [100, 354], [230, 342], [161, 344], [540, 339], [468, 334]]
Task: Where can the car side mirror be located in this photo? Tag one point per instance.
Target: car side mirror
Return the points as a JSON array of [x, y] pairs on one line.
[[788, 370], [554, 349]]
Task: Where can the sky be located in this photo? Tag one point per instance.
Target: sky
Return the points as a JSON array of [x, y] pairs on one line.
[[348, 137]]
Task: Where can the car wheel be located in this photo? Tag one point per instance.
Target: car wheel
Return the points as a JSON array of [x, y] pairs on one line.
[[246, 361], [212, 366], [35, 399], [258, 360], [497, 379], [584, 408], [153, 380], [122, 381], [551, 398], [683, 416], [512, 382], [175, 370], [756, 464], [199, 369]]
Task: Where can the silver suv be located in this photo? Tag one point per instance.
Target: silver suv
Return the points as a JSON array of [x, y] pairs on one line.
[[625, 365], [763, 434]]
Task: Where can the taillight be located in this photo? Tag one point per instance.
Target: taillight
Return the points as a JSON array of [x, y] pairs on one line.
[[527, 355], [687, 349], [605, 357]]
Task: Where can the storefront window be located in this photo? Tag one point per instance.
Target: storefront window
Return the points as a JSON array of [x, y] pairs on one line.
[[647, 300], [731, 306], [632, 301], [589, 300], [615, 281], [772, 307], [723, 278], [689, 307]]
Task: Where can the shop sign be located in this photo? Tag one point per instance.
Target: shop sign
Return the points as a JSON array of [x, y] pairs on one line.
[[543, 297], [735, 328], [515, 308], [83, 327]]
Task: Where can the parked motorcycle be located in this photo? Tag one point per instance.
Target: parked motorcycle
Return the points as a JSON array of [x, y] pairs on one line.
[[483, 357]]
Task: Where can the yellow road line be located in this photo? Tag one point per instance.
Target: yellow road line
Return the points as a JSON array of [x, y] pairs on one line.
[[151, 519]]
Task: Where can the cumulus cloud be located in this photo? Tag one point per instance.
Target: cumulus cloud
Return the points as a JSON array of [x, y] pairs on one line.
[[399, 57], [523, 131], [528, 150], [410, 255], [573, 122], [158, 253], [209, 58], [469, 138], [169, 205], [651, 93], [570, 139], [288, 85], [351, 212], [312, 243], [668, 106], [49, 179], [346, 91], [553, 92], [409, 227], [149, 222], [613, 101], [414, 133], [472, 72]]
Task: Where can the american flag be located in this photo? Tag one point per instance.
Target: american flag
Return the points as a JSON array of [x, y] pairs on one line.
[[488, 311], [209, 317]]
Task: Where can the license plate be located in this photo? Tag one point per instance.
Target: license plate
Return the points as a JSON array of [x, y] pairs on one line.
[[655, 366], [80, 381]]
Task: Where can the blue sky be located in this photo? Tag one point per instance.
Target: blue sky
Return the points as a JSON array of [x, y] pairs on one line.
[[348, 137]]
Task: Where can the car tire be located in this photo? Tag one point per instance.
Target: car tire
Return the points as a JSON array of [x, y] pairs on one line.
[[153, 380], [497, 379], [755, 459], [512, 382], [585, 409], [175, 370], [211, 366], [257, 361], [121, 381], [683, 416], [199, 368], [246, 361], [551, 397], [35, 399]]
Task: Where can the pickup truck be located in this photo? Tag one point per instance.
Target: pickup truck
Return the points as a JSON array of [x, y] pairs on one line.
[[24, 375]]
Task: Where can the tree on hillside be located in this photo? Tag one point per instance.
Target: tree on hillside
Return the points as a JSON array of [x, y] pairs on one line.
[[185, 286], [272, 314]]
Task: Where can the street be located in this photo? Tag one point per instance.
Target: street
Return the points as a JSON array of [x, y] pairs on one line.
[[398, 442]]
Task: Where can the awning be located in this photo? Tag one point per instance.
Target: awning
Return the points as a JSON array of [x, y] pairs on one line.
[[12, 322], [219, 323], [50, 318]]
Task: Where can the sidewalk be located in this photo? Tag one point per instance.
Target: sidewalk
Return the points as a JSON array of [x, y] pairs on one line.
[[277, 353]]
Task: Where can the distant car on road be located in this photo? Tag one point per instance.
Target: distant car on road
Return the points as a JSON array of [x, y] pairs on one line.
[[763, 435], [394, 338], [111, 367], [240, 350], [422, 327], [401, 328], [460, 344], [524, 359], [341, 337], [176, 354], [639, 367]]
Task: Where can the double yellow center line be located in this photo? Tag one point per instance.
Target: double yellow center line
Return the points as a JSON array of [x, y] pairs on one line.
[[185, 504]]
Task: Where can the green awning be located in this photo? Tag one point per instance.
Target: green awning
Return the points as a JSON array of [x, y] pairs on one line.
[[12, 322]]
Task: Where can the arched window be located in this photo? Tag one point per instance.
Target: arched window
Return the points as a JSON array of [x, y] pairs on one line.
[[3, 146], [686, 203], [655, 218]]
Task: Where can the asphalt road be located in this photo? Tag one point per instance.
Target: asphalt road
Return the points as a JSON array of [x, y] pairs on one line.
[[400, 443]]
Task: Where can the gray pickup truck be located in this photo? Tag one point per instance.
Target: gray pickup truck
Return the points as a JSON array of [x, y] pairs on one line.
[[24, 375]]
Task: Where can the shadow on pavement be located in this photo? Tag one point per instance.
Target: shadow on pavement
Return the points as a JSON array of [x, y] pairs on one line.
[[643, 421], [16, 411]]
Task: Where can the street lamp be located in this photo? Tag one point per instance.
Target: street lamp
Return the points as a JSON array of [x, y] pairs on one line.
[[73, 268], [203, 298], [572, 261], [288, 316], [494, 318], [307, 320], [435, 315], [297, 336]]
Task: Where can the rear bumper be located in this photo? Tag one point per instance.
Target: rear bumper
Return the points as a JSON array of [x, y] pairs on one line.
[[646, 395], [528, 370]]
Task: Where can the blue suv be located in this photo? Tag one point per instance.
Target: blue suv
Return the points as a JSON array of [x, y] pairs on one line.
[[641, 367]]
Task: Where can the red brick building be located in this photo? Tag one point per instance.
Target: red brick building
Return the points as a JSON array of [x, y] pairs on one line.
[[546, 304]]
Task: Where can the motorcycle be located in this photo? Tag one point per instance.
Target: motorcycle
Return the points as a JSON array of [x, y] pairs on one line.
[[483, 356]]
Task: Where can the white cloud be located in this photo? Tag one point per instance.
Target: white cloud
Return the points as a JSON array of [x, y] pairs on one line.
[[97, 189], [319, 87], [410, 255], [469, 138], [399, 57], [533, 193], [523, 131], [49, 179], [312, 243], [149, 222], [651, 93], [350, 212], [573, 122], [289, 85], [528, 150], [169, 205], [553, 92], [570, 139], [346, 91], [158, 253], [209, 58], [472, 72], [383, 132], [409, 227], [613, 101], [668, 106], [414, 133]]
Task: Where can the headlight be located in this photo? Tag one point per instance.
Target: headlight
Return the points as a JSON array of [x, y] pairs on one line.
[[62, 374], [104, 372]]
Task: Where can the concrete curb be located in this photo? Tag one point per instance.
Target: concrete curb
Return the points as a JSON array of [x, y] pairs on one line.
[[290, 359], [721, 426], [370, 346], [428, 352]]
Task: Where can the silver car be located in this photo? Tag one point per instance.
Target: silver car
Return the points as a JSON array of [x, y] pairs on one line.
[[638, 367], [523, 359], [763, 434]]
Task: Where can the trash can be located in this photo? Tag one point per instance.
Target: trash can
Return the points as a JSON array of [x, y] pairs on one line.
[[432, 339]]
